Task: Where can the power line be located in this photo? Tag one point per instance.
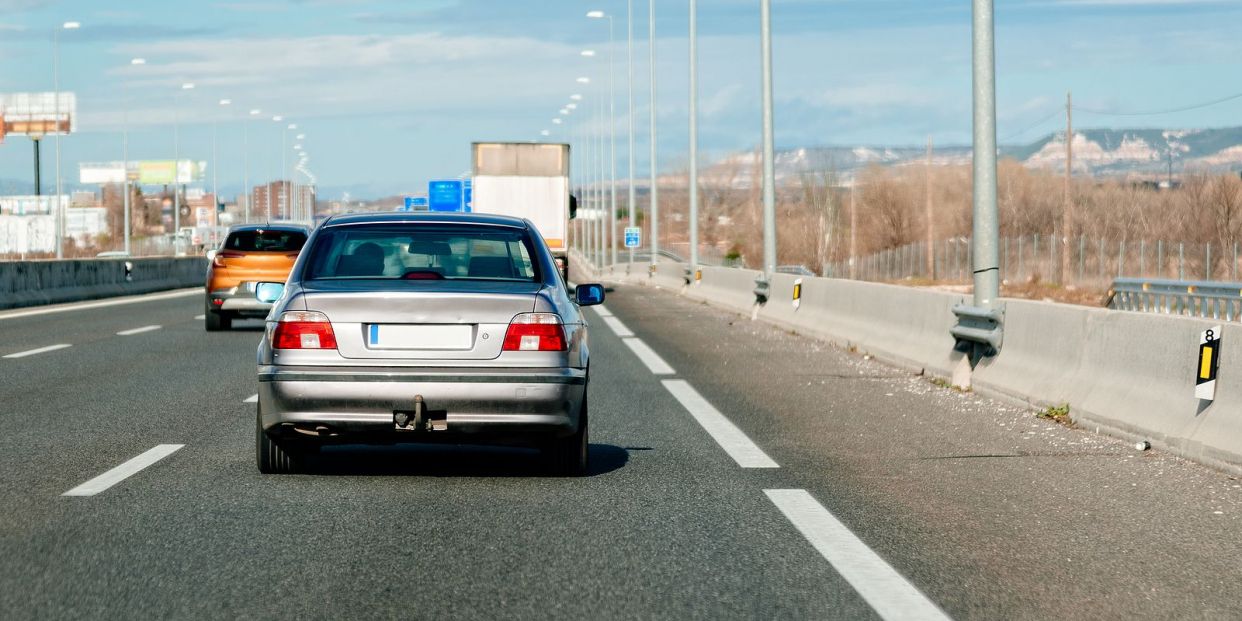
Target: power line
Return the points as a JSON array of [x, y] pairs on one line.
[[1054, 114], [1159, 112]]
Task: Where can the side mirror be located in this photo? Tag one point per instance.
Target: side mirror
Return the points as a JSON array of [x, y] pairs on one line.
[[268, 292], [589, 295]]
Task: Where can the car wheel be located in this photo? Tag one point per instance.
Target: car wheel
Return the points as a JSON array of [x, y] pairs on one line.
[[273, 456], [216, 321], [568, 456]]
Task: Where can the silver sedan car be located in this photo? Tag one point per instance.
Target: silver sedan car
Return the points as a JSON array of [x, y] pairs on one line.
[[401, 327]]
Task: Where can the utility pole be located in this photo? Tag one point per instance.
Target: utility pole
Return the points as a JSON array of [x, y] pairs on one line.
[[986, 221], [1067, 210], [931, 224]]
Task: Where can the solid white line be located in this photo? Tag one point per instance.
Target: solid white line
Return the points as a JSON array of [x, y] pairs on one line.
[[603, 312], [62, 308], [617, 327], [252, 399], [199, 317], [653, 360], [138, 330], [886, 591], [746, 453], [41, 350], [123, 471]]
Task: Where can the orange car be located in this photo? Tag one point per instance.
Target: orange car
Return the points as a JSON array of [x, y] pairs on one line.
[[250, 254]]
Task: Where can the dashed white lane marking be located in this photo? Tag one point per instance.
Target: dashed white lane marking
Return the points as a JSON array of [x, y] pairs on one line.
[[89, 305], [648, 356], [616, 326], [746, 453], [41, 350], [252, 399], [886, 591], [603, 312], [138, 330], [123, 471], [199, 317]]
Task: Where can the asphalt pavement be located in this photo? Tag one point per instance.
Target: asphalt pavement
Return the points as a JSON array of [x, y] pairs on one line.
[[737, 471]]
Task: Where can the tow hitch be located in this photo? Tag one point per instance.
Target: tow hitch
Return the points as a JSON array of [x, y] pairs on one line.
[[420, 418]]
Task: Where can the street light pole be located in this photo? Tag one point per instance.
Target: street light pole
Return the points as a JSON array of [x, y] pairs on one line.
[[655, 190], [177, 172], [986, 222], [769, 171], [215, 161], [246, 160], [60, 211], [633, 194], [694, 137], [612, 137], [128, 200]]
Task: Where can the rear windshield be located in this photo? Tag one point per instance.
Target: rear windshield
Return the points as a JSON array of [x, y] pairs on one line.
[[423, 252], [265, 241]]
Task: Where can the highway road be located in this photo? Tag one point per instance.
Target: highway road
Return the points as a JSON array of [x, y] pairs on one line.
[[738, 471]]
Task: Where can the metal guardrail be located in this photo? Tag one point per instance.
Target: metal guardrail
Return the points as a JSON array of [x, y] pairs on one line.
[[1208, 300]]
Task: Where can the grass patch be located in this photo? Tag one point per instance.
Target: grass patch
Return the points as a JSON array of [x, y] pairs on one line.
[[1055, 413]]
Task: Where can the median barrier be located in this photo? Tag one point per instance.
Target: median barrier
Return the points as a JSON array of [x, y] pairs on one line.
[[1125, 373], [34, 283]]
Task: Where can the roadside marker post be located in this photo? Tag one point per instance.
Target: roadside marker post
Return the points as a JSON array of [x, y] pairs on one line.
[[1209, 364], [797, 294]]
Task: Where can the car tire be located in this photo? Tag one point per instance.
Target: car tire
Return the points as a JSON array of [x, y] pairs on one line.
[[273, 456], [216, 321], [568, 456]]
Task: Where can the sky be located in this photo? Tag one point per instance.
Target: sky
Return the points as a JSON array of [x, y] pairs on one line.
[[390, 94]]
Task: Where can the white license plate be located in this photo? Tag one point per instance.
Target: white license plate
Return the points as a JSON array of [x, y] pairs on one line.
[[395, 336]]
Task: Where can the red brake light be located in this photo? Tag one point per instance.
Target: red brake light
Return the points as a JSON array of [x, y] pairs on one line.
[[303, 330], [535, 332]]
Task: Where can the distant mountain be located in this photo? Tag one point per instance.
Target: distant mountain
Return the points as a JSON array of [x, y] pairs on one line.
[[1102, 152]]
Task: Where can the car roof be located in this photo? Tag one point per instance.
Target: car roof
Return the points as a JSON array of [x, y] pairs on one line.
[[278, 226], [400, 217]]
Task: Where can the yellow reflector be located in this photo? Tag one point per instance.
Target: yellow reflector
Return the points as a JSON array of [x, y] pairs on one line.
[[1205, 364]]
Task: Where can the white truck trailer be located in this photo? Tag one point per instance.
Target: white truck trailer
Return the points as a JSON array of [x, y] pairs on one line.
[[527, 180]]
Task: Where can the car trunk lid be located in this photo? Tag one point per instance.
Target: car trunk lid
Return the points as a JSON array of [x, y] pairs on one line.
[[442, 320]]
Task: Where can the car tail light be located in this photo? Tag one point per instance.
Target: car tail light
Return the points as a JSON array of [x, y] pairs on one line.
[[535, 332], [218, 261], [303, 330]]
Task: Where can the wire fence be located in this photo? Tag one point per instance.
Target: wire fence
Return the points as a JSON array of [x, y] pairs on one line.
[[1089, 262]]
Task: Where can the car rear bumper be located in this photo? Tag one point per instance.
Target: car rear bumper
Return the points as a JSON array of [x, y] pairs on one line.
[[238, 300], [340, 402]]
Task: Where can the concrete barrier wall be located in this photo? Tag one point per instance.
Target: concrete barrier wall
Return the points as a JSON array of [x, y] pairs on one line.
[[33, 283], [1129, 374]]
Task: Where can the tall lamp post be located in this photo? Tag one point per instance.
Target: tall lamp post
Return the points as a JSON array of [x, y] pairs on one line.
[[188, 86], [769, 171], [655, 190], [285, 194], [275, 119], [60, 211], [215, 161], [612, 136], [128, 200], [246, 160], [694, 138]]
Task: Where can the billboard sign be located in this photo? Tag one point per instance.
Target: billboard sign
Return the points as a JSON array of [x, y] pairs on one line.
[[38, 114], [152, 172], [445, 195]]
